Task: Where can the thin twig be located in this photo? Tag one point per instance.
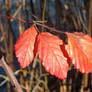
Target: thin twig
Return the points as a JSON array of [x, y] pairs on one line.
[[30, 23], [17, 12], [90, 19], [4, 37], [43, 13]]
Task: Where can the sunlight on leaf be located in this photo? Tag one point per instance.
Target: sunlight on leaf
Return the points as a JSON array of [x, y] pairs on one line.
[[25, 45], [49, 52], [80, 50]]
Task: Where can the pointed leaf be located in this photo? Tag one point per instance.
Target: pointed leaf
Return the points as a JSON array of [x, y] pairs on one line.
[[80, 50], [25, 45], [50, 54]]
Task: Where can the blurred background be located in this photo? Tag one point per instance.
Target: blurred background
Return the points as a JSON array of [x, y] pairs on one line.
[[64, 15]]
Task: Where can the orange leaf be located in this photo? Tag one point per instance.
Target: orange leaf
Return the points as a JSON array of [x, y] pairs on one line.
[[25, 45], [80, 50], [50, 54]]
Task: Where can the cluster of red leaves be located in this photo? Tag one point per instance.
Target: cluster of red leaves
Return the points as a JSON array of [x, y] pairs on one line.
[[53, 52]]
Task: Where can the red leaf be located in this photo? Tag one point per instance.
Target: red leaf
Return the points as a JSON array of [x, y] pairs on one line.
[[50, 54], [25, 45], [80, 50]]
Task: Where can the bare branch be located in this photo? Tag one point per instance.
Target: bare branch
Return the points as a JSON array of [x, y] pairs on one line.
[[11, 75]]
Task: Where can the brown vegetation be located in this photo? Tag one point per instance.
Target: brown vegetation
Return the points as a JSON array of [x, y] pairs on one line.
[[70, 15]]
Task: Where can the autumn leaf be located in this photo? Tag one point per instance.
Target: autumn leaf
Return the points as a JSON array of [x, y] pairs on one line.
[[49, 51], [80, 50], [25, 45]]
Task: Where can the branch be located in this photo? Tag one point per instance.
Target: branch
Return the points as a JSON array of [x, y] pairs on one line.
[[45, 26], [11, 75], [90, 19]]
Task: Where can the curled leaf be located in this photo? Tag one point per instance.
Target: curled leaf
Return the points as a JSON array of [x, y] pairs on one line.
[[49, 51], [24, 47], [80, 50]]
